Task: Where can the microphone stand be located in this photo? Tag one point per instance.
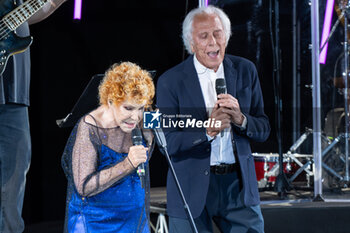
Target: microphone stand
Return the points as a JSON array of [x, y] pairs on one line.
[[282, 184], [162, 143]]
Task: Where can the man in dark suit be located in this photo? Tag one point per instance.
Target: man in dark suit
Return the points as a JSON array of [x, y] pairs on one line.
[[213, 162]]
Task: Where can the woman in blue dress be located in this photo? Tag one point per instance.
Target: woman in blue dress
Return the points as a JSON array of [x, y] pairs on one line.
[[104, 191]]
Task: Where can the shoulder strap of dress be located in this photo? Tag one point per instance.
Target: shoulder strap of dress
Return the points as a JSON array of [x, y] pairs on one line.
[[93, 118], [97, 127]]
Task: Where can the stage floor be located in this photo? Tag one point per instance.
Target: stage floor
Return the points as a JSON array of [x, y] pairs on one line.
[[295, 213], [298, 194]]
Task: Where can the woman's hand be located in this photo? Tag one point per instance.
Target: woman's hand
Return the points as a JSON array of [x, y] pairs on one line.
[[137, 155]]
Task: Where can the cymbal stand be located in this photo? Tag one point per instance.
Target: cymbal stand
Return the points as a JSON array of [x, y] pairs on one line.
[[326, 151], [306, 167], [290, 154], [333, 30]]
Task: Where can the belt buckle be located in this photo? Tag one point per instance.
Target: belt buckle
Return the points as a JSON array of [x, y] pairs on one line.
[[220, 169]]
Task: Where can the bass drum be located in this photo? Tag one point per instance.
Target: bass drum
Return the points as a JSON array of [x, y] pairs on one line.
[[266, 168], [334, 122], [334, 127]]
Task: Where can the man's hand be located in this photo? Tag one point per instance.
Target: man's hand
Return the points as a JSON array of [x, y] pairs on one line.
[[231, 107], [219, 114]]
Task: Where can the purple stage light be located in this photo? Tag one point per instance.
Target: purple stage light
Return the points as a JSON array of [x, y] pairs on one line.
[[77, 9], [326, 29]]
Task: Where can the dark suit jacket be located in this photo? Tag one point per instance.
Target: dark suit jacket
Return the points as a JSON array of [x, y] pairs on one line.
[[179, 92]]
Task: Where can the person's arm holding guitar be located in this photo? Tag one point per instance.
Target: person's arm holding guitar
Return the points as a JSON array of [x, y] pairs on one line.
[[13, 16], [45, 11]]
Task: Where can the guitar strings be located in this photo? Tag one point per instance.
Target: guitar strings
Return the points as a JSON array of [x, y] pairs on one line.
[[30, 4], [4, 30], [17, 12]]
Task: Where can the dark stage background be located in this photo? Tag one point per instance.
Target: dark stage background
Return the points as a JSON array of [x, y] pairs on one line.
[[66, 54]]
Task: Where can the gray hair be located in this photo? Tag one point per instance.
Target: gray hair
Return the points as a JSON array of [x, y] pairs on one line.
[[188, 22]]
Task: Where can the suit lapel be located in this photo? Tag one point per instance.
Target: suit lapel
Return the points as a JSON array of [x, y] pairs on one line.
[[193, 88], [231, 84], [230, 76]]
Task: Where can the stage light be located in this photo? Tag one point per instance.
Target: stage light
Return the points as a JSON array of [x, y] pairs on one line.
[[326, 29], [77, 9]]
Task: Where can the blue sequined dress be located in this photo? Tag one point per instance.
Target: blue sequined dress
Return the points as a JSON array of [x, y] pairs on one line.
[[103, 194]]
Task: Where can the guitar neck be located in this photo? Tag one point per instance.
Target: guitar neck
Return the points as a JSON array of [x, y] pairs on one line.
[[22, 13]]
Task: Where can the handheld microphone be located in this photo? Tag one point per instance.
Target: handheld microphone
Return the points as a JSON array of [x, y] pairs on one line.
[[220, 87], [136, 137]]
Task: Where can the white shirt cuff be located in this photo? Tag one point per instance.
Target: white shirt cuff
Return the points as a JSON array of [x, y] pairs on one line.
[[210, 139], [244, 124]]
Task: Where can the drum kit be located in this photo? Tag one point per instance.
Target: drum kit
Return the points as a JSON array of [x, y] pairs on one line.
[[299, 168], [267, 168]]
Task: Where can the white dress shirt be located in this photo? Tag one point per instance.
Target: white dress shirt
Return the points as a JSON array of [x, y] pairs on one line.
[[221, 147]]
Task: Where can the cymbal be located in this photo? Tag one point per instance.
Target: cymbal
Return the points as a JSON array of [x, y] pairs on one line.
[[339, 82]]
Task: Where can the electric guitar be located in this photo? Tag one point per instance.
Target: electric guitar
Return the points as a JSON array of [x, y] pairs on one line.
[[11, 18]]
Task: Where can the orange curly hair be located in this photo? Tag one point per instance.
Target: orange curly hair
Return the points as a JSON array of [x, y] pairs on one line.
[[126, 81]]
